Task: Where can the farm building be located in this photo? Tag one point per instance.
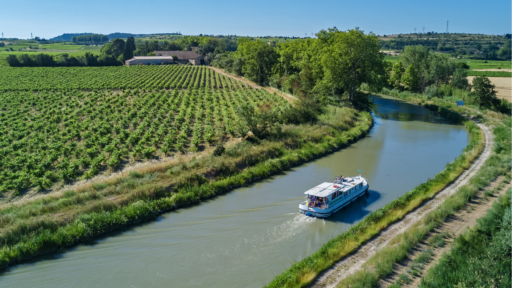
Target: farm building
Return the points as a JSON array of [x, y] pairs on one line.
[[148, 60], [184, 57]]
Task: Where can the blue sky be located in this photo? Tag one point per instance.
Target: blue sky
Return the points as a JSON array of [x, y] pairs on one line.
[[254, 18]]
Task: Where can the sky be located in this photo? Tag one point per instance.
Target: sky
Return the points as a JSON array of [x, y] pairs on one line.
[[51, 18]]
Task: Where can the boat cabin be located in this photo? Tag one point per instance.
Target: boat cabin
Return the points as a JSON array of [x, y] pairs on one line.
[[326, 193]]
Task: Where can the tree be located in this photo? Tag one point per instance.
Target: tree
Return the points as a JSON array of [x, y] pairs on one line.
[[13, 61], [259, 60], [504, 52], [153, 46], [353, 58], [410, 78], [44, 60], [27, 61], [107, 49], [261, 122], [430, 68], [90, 59], [117, 47], [459, 79], [484, 91], [396, 75], [129, 48], [438, 69]]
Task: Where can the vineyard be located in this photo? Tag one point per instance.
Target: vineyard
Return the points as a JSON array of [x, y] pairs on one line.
[[98, 78], [59, 124]]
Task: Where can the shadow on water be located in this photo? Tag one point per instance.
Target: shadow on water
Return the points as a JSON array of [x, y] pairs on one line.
[[356, 210], [394, 109]]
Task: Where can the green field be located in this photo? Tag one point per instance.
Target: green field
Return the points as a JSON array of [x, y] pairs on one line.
[[474, 64], [63, 46], [56, 49], [76, 128], [392, 59], [490, 73], [486, 64]]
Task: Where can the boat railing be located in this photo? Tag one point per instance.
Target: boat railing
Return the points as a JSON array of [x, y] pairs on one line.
[[323, 206]]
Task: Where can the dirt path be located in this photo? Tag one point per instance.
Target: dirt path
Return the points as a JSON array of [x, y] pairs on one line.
[[354, 262], [453, 226], [288, 97]]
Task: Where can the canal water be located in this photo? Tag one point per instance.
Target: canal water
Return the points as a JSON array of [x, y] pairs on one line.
[[250, 235]]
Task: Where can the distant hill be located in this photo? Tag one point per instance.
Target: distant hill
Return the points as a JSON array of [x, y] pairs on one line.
[[120, 35], [68, 36]]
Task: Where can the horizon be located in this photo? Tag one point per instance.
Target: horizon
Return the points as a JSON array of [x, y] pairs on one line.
[[287, 19]]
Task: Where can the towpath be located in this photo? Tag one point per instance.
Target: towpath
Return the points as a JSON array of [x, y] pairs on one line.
[[349, 265]]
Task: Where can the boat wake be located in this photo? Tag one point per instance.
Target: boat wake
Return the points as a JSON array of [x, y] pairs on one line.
[[289, 228]]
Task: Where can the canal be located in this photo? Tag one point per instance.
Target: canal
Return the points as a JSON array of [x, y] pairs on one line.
[[246, 237]]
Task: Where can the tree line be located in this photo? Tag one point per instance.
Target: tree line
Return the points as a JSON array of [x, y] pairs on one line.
[[420, 70], [333, 67], [205, 44], [90, 39], [111, 54], [329, 68]]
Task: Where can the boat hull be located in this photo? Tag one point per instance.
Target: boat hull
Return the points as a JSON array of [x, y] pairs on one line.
[[324, 213]]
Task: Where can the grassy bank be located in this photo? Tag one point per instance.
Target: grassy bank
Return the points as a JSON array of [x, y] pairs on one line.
[[381, 264], [302, 273], [481, 256], [48, 224]]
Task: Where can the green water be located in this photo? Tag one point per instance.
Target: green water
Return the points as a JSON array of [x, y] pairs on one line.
[[246, 237]]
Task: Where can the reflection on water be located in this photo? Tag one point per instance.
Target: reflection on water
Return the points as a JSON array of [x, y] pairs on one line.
[[392, 109], [246, 237]]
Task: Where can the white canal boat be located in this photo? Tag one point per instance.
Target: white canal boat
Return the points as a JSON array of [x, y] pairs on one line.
[[329, 197]]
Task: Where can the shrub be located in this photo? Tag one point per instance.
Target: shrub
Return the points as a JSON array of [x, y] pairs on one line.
[[219, 150], [135, 175], [99, 186], [69, 193]]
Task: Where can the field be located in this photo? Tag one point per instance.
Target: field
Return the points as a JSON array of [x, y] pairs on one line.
[[51, 49], [448, 42], [63, 123], [486, 64], [503, 86], [490, 73], [51, 136]]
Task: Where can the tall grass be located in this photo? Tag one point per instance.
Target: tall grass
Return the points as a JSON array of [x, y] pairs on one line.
[[302, 273]]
